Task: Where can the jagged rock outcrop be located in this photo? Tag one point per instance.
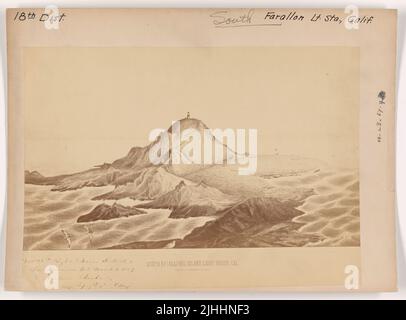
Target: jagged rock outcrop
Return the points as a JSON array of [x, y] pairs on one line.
[[255, 222], [192, 200], [106, 212]]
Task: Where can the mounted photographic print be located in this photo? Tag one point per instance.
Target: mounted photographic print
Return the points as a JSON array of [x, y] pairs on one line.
[[229, 149]]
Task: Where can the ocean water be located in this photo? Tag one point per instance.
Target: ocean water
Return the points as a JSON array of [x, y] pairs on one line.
[[50, 221], [331, 212]]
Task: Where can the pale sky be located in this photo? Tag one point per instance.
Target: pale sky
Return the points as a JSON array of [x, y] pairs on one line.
[[86, 106]]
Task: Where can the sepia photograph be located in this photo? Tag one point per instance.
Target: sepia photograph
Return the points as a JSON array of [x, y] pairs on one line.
[[84, 190], [201, 153]]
